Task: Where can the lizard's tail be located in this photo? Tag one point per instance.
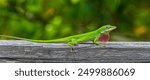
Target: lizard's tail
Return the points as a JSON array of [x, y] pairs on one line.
[[32, 40]]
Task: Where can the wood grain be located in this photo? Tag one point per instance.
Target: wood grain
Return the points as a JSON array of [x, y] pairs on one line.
[[18, 51]]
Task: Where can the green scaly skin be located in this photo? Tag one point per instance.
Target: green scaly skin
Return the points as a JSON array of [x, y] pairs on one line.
[[73, 40]]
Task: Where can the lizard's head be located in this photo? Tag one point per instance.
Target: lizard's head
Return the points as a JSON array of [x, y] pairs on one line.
[[104, 31], [107, 28]]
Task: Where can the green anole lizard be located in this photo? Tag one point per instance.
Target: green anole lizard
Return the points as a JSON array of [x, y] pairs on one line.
[[73, 40]]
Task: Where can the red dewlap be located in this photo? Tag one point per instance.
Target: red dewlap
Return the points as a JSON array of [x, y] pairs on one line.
[[104, 38]]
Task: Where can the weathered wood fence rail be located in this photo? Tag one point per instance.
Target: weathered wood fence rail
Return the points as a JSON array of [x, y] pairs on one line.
[[120, 52]]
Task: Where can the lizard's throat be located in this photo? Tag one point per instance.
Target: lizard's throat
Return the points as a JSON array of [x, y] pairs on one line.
[[104, 37]]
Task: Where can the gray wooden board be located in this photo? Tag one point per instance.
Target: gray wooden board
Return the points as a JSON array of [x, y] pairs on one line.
[[113, 52]]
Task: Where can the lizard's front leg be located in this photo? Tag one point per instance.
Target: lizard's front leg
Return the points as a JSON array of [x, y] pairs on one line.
[[72, 43], [95, 41]]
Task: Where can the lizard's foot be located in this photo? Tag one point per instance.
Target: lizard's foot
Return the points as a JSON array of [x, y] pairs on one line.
[[72, 44], [97, 43]]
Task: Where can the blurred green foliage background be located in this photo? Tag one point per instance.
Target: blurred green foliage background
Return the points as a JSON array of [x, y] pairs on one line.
[[50, 19]]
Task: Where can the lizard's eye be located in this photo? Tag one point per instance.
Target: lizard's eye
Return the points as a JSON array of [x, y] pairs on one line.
[[107, 27]]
